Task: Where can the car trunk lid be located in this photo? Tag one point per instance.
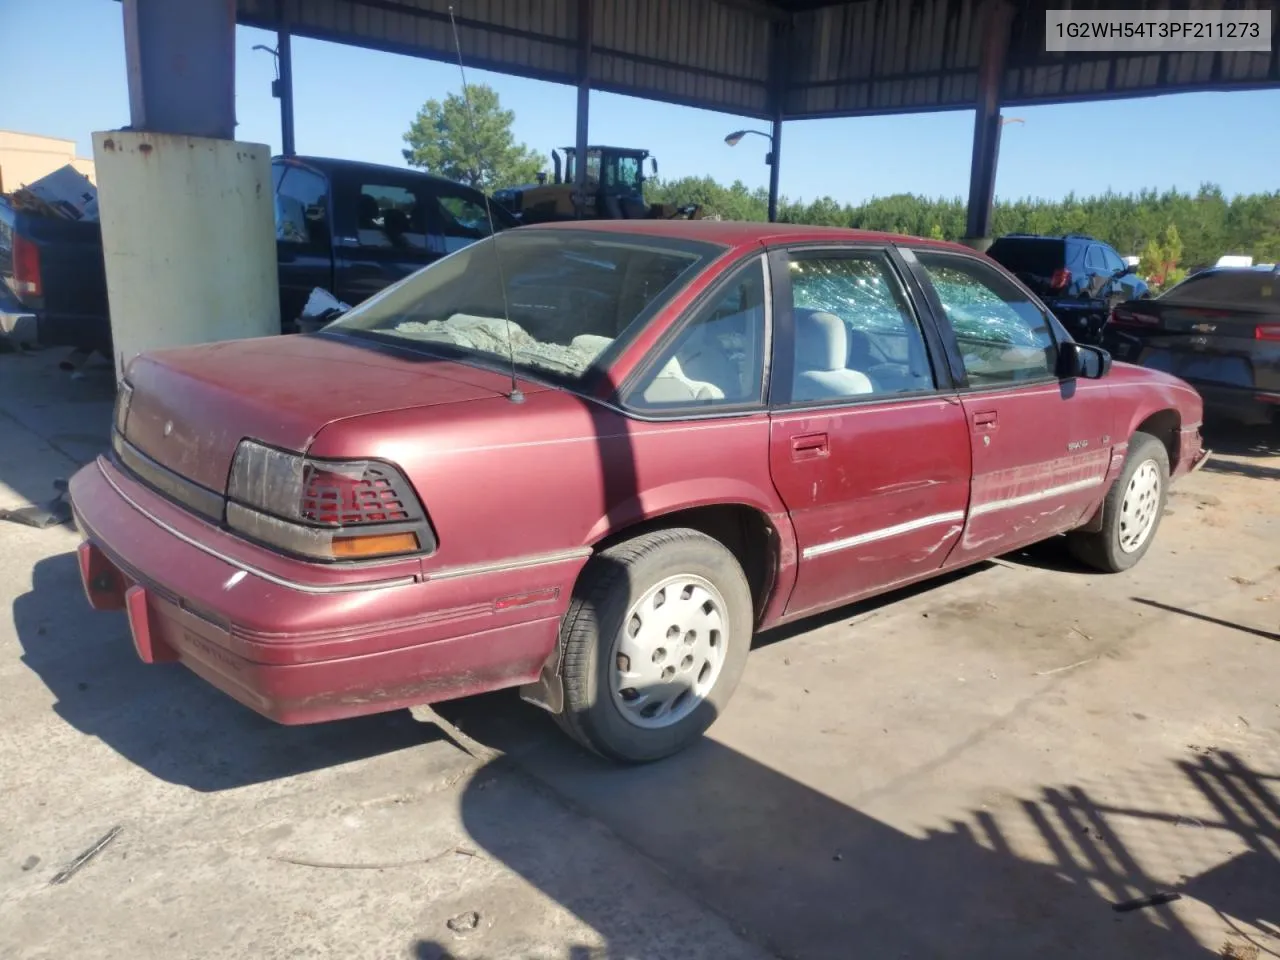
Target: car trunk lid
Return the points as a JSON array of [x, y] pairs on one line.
[[1198, 342], [191, 406]]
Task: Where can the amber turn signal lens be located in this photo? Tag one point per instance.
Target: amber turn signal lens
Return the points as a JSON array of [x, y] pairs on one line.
[[373, 545]]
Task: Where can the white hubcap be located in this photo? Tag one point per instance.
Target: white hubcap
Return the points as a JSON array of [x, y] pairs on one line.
[[670, 651], [1139, 508]]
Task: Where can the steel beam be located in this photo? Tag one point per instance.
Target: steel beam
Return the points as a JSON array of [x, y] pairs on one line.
[[181, 64], [998, 23], [584, 107], [774, 155], [778, 61], [284, 50]]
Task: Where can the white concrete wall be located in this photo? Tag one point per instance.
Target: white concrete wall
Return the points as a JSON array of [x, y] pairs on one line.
[[188, 234], [26, 157]]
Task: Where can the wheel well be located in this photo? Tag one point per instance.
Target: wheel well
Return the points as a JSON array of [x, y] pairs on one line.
[[744, 530], [1164, 426]]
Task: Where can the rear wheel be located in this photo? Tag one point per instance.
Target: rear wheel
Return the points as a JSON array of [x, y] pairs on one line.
[[654, 644], [1131, 512]]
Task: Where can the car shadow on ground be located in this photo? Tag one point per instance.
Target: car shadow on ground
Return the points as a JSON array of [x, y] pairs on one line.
[[162, 717], [863, 609], [800, 874], [1235, 445]]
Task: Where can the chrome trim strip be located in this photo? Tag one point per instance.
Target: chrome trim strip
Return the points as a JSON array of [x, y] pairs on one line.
[[514, 563], [247, 568], [871, 536], [993, 505]]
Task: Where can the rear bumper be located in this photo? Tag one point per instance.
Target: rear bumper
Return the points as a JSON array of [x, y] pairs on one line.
[[296, 652], [18, 323], [1243, 404], [19, 327], [28, 328]]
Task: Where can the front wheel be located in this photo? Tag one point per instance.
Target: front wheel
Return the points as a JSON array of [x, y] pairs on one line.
[[1131, 512], [654, 644]]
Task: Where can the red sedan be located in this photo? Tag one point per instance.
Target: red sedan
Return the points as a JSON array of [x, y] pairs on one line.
[[592, 460]]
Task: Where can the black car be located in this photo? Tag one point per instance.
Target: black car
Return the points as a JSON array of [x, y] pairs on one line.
[[1219, 330], [1078, 277]]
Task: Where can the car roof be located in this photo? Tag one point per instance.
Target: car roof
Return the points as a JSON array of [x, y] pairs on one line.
[[334, 164], [744, 233]]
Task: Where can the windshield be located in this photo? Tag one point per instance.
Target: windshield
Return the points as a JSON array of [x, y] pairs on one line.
[[570, 296], [1234, 286]]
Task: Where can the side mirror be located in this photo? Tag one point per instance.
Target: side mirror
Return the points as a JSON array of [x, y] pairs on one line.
[[1082, 360]]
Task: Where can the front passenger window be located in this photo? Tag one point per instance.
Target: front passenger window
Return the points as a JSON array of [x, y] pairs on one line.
[[717, 359], [1003, 336]]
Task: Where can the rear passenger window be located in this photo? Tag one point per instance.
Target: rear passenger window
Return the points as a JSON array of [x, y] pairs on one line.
[[391, 217], [1003, 336], [855, 334], [717, 359], [302, 208]]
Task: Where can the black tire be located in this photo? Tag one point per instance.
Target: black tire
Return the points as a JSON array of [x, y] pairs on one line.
[[612, 583], [1102, 550]]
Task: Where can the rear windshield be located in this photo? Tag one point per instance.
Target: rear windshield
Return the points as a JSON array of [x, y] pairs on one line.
[[1035, 255], [572, 298], [1242, 287]]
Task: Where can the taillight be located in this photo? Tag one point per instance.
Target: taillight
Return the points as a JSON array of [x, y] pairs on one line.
[[322, 509], [124, 397], [1267, 331], [26, 267], [1060, 280]]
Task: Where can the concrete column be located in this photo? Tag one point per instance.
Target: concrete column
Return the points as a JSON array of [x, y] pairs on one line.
[[998, 20], [188, 229]]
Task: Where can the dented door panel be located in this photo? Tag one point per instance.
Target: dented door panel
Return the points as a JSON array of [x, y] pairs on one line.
[[883, 503]]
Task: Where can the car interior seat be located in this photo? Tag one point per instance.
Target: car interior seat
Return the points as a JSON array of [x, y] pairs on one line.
[[887, 376], [703, 367], [367, 213], [822, 355]]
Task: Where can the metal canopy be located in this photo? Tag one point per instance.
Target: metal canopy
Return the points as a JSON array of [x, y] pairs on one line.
[[771, 59]]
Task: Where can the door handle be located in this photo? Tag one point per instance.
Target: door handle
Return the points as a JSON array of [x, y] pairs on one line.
[[984, 418], [809, 446]]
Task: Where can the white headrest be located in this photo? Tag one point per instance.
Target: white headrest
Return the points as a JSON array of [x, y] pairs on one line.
[[822, 341]]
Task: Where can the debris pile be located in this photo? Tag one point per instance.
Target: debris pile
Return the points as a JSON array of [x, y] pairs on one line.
[[65, 194]]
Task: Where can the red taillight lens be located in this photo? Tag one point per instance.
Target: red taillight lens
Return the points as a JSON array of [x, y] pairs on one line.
[[333, 496], [26, 267], [1267, 331], [325, 509], [1060, 280]]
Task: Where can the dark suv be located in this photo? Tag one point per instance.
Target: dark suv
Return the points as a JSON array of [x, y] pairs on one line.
[[1078, 277]]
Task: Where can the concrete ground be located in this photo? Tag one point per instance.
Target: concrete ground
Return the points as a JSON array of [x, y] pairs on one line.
[[980, 767]]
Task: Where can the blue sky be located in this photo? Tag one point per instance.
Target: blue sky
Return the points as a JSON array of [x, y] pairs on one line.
[[64, 60]]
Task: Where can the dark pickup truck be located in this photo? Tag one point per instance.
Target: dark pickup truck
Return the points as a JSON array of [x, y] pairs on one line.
[[350, 228]]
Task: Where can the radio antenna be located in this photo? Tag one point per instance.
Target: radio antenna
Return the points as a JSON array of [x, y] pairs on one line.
[[515, 396]]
